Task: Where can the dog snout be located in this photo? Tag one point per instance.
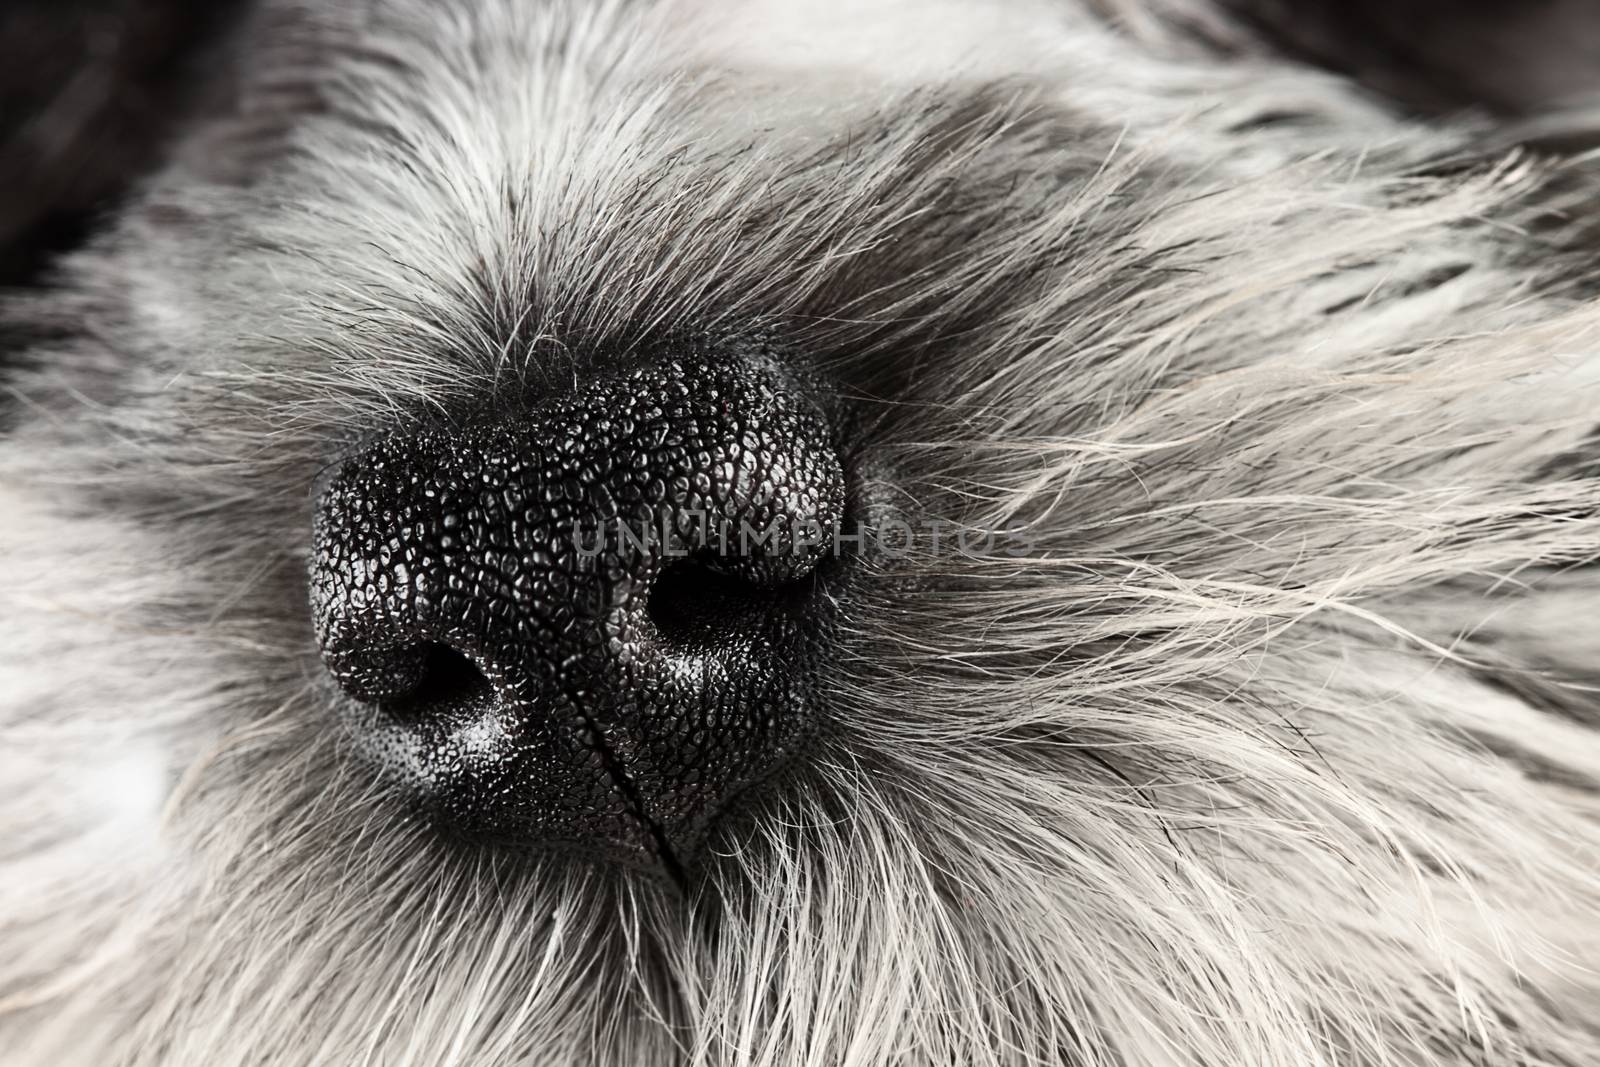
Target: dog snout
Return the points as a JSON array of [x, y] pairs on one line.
[[589, 622]]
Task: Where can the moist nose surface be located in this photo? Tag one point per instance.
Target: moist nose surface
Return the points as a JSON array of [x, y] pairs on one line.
[[590, 623]]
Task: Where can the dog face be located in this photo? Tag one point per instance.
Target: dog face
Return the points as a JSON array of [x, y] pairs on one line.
[[1190, 670]]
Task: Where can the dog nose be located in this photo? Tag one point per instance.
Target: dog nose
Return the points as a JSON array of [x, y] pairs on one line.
[[590, 622]]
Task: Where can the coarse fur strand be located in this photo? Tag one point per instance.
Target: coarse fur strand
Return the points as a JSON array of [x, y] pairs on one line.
[[1266, 731]]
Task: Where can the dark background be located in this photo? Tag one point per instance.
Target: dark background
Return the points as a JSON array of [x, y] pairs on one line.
[[1506, 57], [89, 91]]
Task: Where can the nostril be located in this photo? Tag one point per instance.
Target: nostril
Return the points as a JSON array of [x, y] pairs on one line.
[[415, 677], [448, 677], [703, 599]]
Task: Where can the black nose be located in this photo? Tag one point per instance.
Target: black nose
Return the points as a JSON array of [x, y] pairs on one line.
[[591, 622]]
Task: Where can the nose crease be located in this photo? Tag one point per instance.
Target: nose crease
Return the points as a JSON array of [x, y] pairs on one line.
[[535, 544]]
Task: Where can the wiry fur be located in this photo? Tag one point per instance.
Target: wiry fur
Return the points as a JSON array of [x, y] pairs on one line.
[[1271, 739]]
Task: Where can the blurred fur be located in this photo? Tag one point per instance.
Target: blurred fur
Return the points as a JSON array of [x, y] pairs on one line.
[[1280, 744]]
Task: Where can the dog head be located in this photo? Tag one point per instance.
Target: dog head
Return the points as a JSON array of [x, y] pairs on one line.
[[1156, 646]]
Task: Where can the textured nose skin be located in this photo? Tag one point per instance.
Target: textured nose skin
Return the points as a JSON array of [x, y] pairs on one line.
[[590, 623]]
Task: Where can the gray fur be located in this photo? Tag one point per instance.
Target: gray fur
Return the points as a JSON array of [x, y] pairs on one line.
[[1279, 745]]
